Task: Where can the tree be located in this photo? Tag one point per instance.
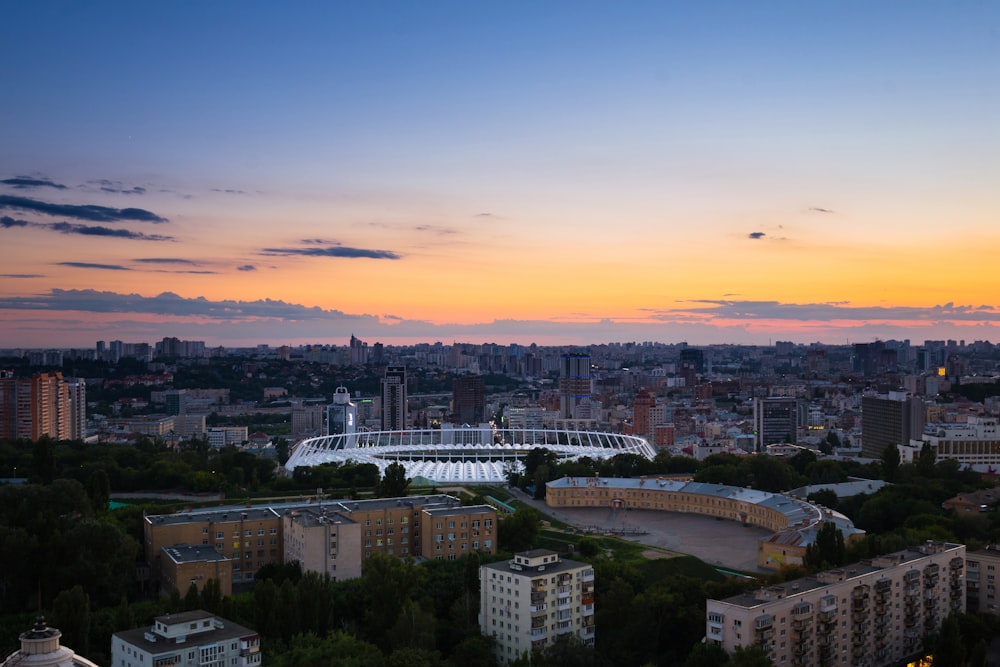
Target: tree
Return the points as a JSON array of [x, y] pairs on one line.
[[828, 550], [281, 447], [394, 482], [948, 645], [707, 655], [71, 614], [43, 462], [751, 656], [519, 531], [890, 462], [925, 463], [99, 490]]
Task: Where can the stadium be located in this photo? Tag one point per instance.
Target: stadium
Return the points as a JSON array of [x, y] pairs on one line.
[[462, 454]]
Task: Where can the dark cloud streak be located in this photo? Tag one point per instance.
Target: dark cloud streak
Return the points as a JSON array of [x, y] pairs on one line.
[[88, 212], [332, 251], [24, 183]]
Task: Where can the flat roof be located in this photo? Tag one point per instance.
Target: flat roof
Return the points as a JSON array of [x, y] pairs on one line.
[[163, 646], [458, 511], [314, 516], [192, 553], [543, 569], [789, 589], [234, 513]]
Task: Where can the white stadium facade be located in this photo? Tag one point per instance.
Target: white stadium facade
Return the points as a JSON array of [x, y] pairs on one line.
[[461, 454]]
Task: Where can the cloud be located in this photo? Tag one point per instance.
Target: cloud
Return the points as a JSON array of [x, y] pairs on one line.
[[332, 251], [25, 183], [442, 231], [821, 210], [8, 222], [21, 275], [117, 187], [833, 311], [166, 260], [756, 235], [246, 267], [88, 265], [89, 230], [320, 242], [89, 212], [229, 191]]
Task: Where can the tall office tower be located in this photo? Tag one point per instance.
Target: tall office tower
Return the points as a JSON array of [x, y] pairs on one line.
[[469, 400], [176, 400], [574, 383], [527, 603], [642, 425], [889, 420], [394, 413], [342, 416], [358, 352], [692, 363], [101, 350], [775, 420], [35, 406], [76, 408]]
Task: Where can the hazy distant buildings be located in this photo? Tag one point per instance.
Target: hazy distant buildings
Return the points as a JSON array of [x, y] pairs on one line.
[[775, 420], [394, 409], [469, 399], [889, 420]]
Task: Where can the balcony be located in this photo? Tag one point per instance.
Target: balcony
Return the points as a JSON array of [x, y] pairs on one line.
[[539, 632], [537, 608], [563, 627], [763, 621], [250, 660]]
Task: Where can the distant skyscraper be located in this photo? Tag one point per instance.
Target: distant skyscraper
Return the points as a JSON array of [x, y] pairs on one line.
[[574, 383], [775, 420], [394, 413], [469, 399], [341, 415], [76, 408], [358, 352], [641, 423], [889, 420]]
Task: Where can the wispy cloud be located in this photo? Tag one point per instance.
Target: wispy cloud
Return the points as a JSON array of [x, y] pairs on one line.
[[21, 275], [820, 209], [89, 265], [117, 187], [27, 183], [756, 235], [89, 212], [8, 222], [331, 251], [246, 267], [89, 230], [165, 260]]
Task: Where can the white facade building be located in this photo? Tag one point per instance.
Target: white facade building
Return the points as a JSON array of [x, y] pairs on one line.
[[527, 603], [188, 639], [871, 613]]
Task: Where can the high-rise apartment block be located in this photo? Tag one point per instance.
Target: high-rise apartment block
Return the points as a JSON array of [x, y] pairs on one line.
[[394, 408], [874, 613], [526, 603], [44, 404], [187, 639], [469, 400], [775, 420], [889, 420], [574, 384], [982, 569]]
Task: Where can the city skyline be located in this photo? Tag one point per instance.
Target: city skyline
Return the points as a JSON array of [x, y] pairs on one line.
[[558, 174]]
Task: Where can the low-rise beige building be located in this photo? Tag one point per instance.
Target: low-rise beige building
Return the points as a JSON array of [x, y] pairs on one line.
[[875, 612], [186, 564], [452, 532], [323, 541]]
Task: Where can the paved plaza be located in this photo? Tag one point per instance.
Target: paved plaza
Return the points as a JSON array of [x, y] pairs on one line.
[[716, 541]]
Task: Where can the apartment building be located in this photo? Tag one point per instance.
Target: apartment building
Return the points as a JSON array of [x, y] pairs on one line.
[[323, 541], [528, 602], [349, 530], [871, 613], [188, 639], [981, 570], [452, 532], [186, 564]]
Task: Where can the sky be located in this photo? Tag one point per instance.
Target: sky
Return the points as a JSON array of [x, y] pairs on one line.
[[555, 172]]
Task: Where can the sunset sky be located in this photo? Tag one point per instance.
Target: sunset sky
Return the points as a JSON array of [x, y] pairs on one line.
[[550, 172]]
